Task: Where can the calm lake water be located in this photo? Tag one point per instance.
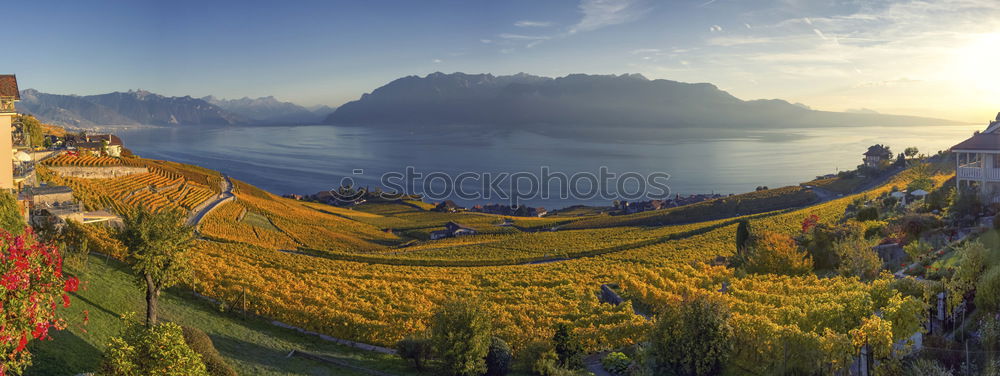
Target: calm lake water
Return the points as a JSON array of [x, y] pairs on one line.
[[308, 159]]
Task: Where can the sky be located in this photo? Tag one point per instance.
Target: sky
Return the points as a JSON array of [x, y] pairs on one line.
[[935, 58]]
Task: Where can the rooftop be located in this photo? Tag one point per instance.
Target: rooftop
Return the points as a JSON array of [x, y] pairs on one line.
[[50, 190], [8, 86], [979, 141]]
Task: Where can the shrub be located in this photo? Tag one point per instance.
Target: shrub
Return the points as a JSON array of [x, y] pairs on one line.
[[415, 349], [498, 358], [460, 332], [567, 347], [916, 249], [915, 224], [202, 344], [988, 290], [692, 338], [927, 367], [159, 350], [989, 333], [11, 219], [524, 360], [776, 253], [32, 291], [547, 364], [867, 214], [909, 286], [616, 363]]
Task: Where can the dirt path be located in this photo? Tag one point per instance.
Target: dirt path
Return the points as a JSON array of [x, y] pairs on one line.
[[202, 210]]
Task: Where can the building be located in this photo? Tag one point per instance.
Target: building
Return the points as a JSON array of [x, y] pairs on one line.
[[877, 154], [9, 94], [452, 229], [977, 163], [98, 144]]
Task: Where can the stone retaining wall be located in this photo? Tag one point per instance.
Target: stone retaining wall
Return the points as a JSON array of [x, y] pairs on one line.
[[98, 172]]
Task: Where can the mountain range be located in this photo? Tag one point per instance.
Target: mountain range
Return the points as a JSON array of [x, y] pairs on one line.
[[618, 104], [140, 107], [621, 106]]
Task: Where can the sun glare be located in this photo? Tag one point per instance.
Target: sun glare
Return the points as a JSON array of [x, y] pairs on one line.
[[976, 63]]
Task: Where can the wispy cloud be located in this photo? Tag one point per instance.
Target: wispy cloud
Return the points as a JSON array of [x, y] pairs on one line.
[[527, 23], [523, 37], [438, 61], [642, 51], [597, 14], [602, 13], [715, 28]]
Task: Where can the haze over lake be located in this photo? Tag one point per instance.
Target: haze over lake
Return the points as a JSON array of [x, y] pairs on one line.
[[310, 158]]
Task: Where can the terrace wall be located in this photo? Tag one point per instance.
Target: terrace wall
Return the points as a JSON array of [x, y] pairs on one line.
[[98, 172]]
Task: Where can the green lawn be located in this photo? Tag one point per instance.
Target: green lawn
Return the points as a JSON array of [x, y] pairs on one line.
[[259, 221], [252, 346]]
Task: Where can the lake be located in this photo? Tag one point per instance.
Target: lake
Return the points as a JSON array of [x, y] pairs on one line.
[[310, 158]]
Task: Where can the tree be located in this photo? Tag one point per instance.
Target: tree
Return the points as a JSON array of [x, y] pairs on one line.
[[911, 151], [499, 358], [460, 332], [33, 130], [32, 288], [417, 349], [157, 243], [691, 338], [876, 333], [157, 350], [11, 219], [857, 258], [742, 237], [777, 253], [988, 290], [567, 347]]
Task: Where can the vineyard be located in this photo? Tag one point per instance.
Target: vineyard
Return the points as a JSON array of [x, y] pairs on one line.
[[157, 189], [342, 271], [90, 161]]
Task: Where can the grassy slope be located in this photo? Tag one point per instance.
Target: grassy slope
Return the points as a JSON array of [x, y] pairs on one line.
[[252, 346]]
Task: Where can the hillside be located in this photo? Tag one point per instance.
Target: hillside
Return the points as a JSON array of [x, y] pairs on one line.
[[628, 105], [252, 346], [365, 275]]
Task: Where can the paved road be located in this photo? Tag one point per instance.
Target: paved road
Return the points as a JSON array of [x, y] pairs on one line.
[[593, 364], [227, 194]]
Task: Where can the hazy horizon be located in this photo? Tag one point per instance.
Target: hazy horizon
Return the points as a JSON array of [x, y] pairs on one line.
[[896, 57]]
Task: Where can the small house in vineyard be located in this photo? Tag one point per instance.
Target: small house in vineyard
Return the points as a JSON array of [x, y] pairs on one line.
[[877, 154], [452, 229]]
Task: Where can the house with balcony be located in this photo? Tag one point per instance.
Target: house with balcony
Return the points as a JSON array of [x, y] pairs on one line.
[[978, 163], [876, 155]]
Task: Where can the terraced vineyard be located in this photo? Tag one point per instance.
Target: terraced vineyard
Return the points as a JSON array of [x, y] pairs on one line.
[[90, 161], [157, 189], [340, 272]]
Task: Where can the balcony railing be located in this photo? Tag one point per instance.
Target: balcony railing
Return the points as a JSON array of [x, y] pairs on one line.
[[979, 173], [7, 105], [970, 172]]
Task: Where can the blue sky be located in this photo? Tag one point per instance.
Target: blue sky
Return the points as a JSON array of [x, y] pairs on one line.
[[930, 58]]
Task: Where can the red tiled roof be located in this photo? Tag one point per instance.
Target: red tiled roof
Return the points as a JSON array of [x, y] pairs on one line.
[[981, 141], [8, 86]]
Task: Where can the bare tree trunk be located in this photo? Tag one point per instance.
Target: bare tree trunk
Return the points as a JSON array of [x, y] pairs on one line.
[[152, 297]]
